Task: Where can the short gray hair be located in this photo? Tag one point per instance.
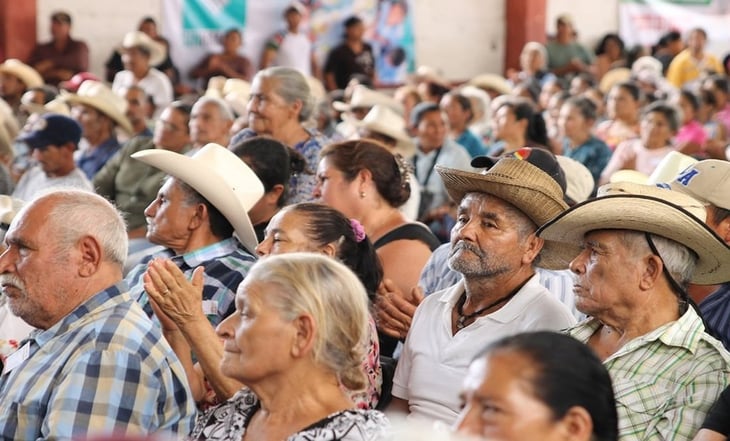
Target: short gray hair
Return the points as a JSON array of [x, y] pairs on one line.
[[679, 260], [78, 213], [223, 108], [292, 86], [331, 293]]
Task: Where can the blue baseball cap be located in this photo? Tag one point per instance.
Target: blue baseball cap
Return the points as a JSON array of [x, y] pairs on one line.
[[52, 129]]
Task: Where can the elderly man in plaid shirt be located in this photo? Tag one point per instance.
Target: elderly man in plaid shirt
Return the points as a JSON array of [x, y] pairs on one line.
[[639, 247], [96, 365]]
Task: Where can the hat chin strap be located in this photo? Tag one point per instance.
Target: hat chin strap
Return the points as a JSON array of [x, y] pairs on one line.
[[684, 299]]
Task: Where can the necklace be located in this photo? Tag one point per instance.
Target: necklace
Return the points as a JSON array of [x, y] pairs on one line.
[[461, 320]]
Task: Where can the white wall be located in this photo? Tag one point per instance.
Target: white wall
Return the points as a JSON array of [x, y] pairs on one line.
[[461, 37]]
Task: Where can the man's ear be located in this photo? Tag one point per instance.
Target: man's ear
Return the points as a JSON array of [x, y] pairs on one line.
[[91, 255], [653, 267], [723, 230], [200, 217], [533, 246]]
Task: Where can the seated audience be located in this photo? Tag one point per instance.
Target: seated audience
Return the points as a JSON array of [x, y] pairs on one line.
[[53, 139], [691, 136], [567, 57], [281, 102], [494, 247], [99, 111], [533, 65], [659, 123], [693, 63], [639, 247], [62, 57], [300, 227], [140, 53], [229, 63], [577, 118], [16, 78], [517, 124], [97, 366], [610, 54], [211, 120], [132, 185], [458, 111], [623, 106], [200, 206], [525, 377]]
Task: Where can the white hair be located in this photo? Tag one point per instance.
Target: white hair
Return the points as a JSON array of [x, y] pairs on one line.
[[77, 213], [292, 86]]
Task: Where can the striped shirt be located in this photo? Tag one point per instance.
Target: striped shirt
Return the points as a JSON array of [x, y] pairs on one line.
[[226, 263], [715, 309], [105, 367], [665, 381]]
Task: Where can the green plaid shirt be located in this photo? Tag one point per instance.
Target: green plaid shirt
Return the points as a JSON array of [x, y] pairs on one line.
[[665, 381]]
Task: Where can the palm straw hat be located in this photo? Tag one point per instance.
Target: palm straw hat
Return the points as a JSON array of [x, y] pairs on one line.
[[221, 177], [643, 208], [29, 76], [381, 119], [157, 50], [99, 96]]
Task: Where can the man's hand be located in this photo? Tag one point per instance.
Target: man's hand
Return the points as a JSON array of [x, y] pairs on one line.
[[394, 310]]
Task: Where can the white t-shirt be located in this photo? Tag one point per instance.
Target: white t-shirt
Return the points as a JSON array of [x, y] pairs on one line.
[[295, 51], [434, 362], [34, 181]]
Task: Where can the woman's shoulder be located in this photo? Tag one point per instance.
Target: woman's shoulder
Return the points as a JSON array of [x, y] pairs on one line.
[[349, 425], [409, 231]]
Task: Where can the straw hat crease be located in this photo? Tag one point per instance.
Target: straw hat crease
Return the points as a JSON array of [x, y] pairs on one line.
[[529, 189], [220, 177], [99, 96], [643, 208]]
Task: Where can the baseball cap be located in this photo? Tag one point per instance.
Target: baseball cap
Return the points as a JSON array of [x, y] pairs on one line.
[[52, 129], [708, 181], [74, 83], [540, 158]]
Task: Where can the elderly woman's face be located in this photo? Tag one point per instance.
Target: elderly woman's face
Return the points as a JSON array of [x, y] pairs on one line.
[[286, 233], [256, 340], [499, 402], [267, 111]]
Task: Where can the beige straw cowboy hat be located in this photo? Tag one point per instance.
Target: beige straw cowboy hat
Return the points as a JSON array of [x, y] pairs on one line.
[[381, 119], [157, 50], [221, 177], [99, 96], [644, 208], [29, 76]]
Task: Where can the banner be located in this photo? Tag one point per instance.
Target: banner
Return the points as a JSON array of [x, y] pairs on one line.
[[194, 29], [643, 22]]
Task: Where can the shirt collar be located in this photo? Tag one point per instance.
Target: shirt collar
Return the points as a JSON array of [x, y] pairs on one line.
[[207, 253]]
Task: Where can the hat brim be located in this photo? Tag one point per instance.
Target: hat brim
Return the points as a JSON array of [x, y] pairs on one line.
[[645, 214], [405, 145], [102, 106], [211, 185], [29, 76], [540, 203]]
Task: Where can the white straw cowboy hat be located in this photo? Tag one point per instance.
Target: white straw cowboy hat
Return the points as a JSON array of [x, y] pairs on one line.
[[99, 96], [381, 119], [157, 50], [363, 97], [578, 179], [649, 209], [491, 81], [29, 76], [665, 171], [531, 190], [221, 177]]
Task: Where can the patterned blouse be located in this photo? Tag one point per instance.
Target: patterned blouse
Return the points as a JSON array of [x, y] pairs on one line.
[[228, 422]]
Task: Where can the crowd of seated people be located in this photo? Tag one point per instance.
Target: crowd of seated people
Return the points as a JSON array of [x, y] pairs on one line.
[[271, 249]]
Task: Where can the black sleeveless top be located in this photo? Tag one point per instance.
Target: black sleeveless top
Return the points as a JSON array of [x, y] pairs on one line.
[[412, 231]]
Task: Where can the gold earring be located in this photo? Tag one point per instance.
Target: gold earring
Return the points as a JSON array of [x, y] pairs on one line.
[[362, 195]]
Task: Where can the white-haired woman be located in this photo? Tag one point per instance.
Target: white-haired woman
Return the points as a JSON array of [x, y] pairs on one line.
[[280, 103], [299, 330]]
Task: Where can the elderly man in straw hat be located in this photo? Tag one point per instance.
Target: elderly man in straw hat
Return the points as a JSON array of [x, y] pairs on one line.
[[708, 181], [494, 247], [99, 111], [639, 247], [15, 78], [139, 54], [202, 203]]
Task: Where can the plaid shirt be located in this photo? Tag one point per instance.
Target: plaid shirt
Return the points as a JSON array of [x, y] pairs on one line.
[[104, 367], [665, 381], [226, 264]]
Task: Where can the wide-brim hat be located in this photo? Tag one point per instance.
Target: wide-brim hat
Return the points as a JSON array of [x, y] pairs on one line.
[[579, 182], [513, 180], [157, 50], [221, 177], [54, 106], [29, 76], [491, 81], [643, 208], [432, 75], [523, 185], [99, 96], [381, 119], [362, 97], [613, 77]]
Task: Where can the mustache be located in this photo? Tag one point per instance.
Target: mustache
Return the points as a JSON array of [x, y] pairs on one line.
[[467, 246], [13, 280]]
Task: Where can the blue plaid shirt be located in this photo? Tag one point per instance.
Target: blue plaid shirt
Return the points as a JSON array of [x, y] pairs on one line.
[[226, 263], [715, 309], [105, 367]]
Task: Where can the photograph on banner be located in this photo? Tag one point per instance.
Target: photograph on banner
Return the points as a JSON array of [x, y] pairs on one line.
[[195, 29], [643, 22]]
